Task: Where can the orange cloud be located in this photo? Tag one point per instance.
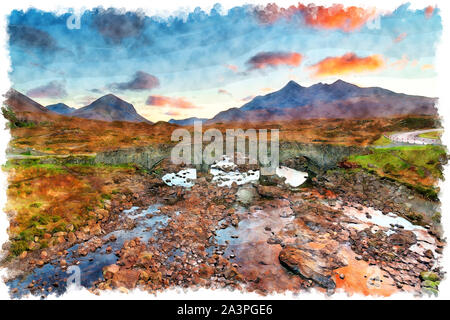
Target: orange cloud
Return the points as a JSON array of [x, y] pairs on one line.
[[232, 67], [400, 37], [274, 59], [173, 113], [429, 12], [162, 101], [334, 17], [346, 64], [401, 63], [337, 17]]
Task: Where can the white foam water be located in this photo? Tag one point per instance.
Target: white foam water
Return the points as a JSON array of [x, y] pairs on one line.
[[183, 178], [225, 178], [294, 178]]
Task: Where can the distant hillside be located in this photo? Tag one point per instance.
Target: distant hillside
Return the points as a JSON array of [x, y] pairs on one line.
[[337, 100], [187, 121], [61, 108], [19, 102], [109, 108]]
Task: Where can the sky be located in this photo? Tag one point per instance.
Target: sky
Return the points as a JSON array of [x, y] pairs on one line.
[[200, 63]]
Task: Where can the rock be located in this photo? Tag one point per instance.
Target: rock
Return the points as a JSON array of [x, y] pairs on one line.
[[348, 165], [33, 245], [206, 271], [145, 257], [60, 234], [109, 271], [307, 265], [403, 238], [270, 192], [274, 240], [429, 254], [71, 237], [299, 163], [270, 180], [246, 194], [125, 278]]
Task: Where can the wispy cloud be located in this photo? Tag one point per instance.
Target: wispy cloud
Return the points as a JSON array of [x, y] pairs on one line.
[[400, 64], [400, 37], [274, 59], [347, 64], [53, 89], [225, 92], [172, 113], [141, 81], [163, 101]]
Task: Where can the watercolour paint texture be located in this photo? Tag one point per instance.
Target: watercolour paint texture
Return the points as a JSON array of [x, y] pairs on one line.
[[257, 148]]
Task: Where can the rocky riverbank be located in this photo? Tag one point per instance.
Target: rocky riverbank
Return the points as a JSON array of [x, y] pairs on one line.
[[342, 231]]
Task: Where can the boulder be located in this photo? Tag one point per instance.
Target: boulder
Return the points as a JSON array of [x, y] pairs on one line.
[[307, 265], [125, 278], [246, 194], [271, 180], [109, 271], [403, 238], [270, 192]]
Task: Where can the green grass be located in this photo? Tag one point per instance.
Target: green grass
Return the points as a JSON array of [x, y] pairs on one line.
[[431, 135], [400, 158], [382, 141], [416, 166], [32, 163]]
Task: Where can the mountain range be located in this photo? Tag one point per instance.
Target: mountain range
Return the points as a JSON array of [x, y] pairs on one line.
[[106, 108], [337, 100]]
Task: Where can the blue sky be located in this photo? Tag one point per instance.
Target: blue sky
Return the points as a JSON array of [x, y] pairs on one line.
[[201, 63]]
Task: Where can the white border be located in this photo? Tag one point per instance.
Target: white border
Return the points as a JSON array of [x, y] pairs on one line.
[[176, 6]]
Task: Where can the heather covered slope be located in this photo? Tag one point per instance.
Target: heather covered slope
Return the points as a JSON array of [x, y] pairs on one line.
[[19, 102]]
